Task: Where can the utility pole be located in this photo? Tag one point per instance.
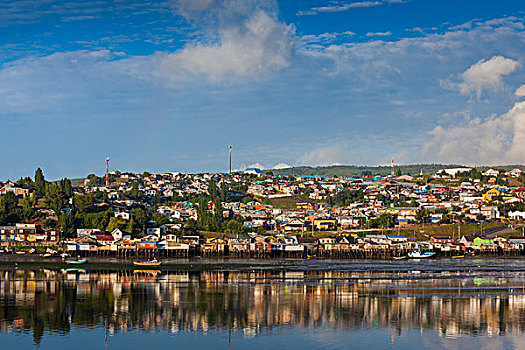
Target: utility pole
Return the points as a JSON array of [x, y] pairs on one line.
[[230, 152], [107, 172]]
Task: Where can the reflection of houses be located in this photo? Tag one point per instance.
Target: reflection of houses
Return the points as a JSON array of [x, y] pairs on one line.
[[254, 300]]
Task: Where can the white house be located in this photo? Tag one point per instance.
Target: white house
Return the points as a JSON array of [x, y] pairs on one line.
[[117, 234], [517, 215], [491, 172], [123, 215]]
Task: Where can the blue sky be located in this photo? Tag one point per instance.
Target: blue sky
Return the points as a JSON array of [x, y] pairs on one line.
[[168, 85]]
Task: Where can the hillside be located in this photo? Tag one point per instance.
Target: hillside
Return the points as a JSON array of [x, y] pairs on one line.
[[362, 170]]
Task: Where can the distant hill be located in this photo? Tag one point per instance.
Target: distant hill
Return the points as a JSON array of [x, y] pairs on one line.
[[358, 170]]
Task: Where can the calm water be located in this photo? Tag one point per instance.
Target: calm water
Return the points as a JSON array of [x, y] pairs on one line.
[[314, 305]]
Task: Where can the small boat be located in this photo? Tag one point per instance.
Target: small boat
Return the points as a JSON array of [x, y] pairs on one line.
[[417, 254], [457, 256], [22, 252], [311, 256], [153, 262], [76, 261]]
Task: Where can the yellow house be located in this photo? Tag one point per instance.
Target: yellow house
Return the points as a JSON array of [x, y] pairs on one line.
[[325, 224], [294, 224], [490, 194]]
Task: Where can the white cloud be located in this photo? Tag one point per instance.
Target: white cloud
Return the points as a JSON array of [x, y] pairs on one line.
[[61, 80], [495, 140], [333, 154], [345, 7], [325, 37], [486, 75], [281, 166], [241, 39], [520, 92], [379, 33]]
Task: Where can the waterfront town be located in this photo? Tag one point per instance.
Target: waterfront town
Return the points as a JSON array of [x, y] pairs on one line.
[[255, 213]]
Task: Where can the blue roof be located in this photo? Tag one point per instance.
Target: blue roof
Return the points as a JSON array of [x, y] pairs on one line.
[[396, 236]]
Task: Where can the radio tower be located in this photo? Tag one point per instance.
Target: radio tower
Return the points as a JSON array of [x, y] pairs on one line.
[[107, 172], [392, 171], [230, 151]]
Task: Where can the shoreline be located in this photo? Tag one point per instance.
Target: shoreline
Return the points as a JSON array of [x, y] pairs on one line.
[[434, 265]]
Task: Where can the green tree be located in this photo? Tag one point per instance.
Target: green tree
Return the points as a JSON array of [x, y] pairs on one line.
[[190, 227], [67, 224], [40, 182], [84, 202], [134, 193], [212, 188], [28, 203], [55, 198], [26, 182], [67, 188], [8, 209], [141, 217], [225, 192]]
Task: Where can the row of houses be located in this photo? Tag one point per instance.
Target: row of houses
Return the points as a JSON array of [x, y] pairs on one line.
[[28, 233]]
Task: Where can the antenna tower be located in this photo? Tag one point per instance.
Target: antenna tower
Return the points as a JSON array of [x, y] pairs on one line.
[[107, 172], [230, 152]]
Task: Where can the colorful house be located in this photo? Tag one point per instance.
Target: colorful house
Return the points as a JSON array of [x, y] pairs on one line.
[[479, 241], [490, 194], [146, 245]]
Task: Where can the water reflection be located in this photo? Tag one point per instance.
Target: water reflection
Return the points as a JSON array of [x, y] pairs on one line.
[[251, 302]]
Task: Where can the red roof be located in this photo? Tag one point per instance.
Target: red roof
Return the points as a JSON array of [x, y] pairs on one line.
[[105, 238]]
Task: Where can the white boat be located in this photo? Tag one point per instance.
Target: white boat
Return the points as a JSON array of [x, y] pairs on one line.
[[417, 254]]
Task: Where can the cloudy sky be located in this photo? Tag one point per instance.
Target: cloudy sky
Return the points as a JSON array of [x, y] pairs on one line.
[[168, 85]]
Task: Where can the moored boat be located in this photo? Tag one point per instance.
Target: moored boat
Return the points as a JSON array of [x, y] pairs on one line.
[[76, 261], [417, 254], [153, 262]]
